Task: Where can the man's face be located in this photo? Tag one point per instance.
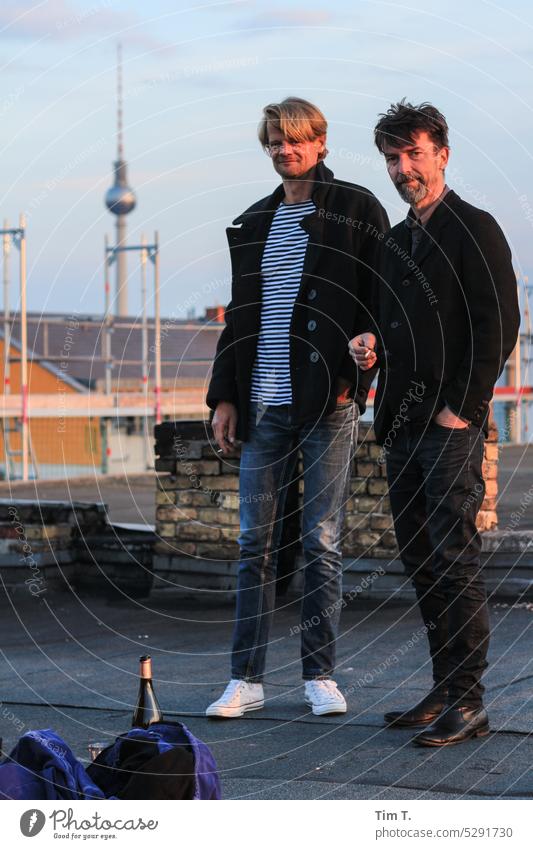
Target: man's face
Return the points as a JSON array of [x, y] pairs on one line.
[[416, 168], [292, 159]]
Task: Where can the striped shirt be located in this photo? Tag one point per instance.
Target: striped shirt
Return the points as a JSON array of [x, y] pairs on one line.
[[281, 273]]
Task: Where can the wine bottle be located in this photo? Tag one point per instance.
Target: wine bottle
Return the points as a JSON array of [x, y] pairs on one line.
[[147, 710]]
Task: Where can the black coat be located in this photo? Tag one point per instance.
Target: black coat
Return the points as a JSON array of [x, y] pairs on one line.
[[332, 305], [447, 318]]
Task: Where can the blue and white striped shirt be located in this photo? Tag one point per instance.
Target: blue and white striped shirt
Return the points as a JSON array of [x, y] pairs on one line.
[[281, 272]]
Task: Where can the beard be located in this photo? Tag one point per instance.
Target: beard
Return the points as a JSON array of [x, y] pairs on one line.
[[411, 194]]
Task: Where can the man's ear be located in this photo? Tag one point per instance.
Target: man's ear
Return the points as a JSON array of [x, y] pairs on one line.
[[444, 154], [322, 152]]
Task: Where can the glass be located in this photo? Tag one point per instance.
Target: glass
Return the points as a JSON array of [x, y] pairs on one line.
[[95, 749], [275, 147]]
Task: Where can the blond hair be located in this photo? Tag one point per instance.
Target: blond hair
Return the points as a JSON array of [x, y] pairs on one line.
[[297, 119]]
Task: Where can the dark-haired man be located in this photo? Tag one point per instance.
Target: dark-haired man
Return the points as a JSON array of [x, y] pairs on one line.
[[283, 381], [446, 320]]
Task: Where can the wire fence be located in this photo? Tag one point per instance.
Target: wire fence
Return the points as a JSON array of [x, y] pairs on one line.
[[66, 447], [65, 444], [91, 434]]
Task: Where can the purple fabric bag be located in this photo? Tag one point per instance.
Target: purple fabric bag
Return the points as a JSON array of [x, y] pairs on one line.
[[42, 766]]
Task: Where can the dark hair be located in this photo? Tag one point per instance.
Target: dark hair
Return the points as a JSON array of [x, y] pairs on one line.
[[399, 124]]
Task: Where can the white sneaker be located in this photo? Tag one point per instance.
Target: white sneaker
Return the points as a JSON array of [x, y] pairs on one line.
[[238, 697], [324, 697]]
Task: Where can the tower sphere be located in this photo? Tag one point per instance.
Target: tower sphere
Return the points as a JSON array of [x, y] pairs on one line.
[[120, 199]]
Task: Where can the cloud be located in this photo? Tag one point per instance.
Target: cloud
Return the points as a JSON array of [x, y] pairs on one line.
[[299, 17], [61, 20], [270, 22]]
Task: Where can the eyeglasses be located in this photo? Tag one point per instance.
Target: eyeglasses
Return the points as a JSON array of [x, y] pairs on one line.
[[275, 147]]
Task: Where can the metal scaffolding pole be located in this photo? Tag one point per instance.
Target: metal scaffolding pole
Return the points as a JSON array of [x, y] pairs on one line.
[[106, 431], [150, 252], [518, 387], [512, 376], [24, 347], [525, 354], [6, 241], [18, 234], [144, 354], [157, 340]]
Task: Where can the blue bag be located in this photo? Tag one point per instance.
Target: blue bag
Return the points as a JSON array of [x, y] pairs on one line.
[[165, 761]]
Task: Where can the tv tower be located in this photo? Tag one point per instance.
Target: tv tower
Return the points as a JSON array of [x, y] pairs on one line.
[[120, 200]]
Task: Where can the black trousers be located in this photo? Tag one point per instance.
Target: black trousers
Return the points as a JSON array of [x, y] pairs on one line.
[[436, 489]]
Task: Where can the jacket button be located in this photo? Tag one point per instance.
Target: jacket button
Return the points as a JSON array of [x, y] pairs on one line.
[[311, 295], [395, 324], [314, 357], [311, 325]]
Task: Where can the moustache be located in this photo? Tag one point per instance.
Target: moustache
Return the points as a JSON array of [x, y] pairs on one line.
[[405, 178]]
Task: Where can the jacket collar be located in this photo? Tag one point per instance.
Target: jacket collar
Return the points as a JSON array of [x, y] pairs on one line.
[[440, 218], [253, 215]]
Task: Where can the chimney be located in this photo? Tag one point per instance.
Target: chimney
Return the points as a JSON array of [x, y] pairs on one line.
[[215, 314]]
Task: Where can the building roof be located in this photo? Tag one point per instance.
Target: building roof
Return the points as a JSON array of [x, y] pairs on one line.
[[188, 346], [57, 372]]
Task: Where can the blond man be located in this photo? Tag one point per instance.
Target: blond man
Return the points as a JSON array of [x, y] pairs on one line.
[[283, 382]]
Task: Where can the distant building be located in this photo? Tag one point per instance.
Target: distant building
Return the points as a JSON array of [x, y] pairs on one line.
[[187, 347], [66, 358], [53, 444]]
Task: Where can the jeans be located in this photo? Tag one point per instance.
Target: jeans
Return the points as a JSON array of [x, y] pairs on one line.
[[268, 463], [436, 488]]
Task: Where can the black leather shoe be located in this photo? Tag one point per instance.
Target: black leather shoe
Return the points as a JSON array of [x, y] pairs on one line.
[[455, 725], [423, 713]]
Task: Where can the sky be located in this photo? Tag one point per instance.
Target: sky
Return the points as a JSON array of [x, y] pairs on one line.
[[196, 76]]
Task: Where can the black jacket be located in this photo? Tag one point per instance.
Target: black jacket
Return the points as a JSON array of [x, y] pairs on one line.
[[332, 305], [447, 318]]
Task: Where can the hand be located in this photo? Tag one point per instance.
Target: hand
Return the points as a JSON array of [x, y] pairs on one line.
[[445, 418], [343, 388], [362, 350], [224, 425]]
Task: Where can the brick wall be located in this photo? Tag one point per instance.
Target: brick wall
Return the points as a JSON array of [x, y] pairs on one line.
[[56, 544], [197, 497]]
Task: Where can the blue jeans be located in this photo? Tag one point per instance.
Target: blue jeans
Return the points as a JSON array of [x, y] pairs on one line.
[[268, 463]]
